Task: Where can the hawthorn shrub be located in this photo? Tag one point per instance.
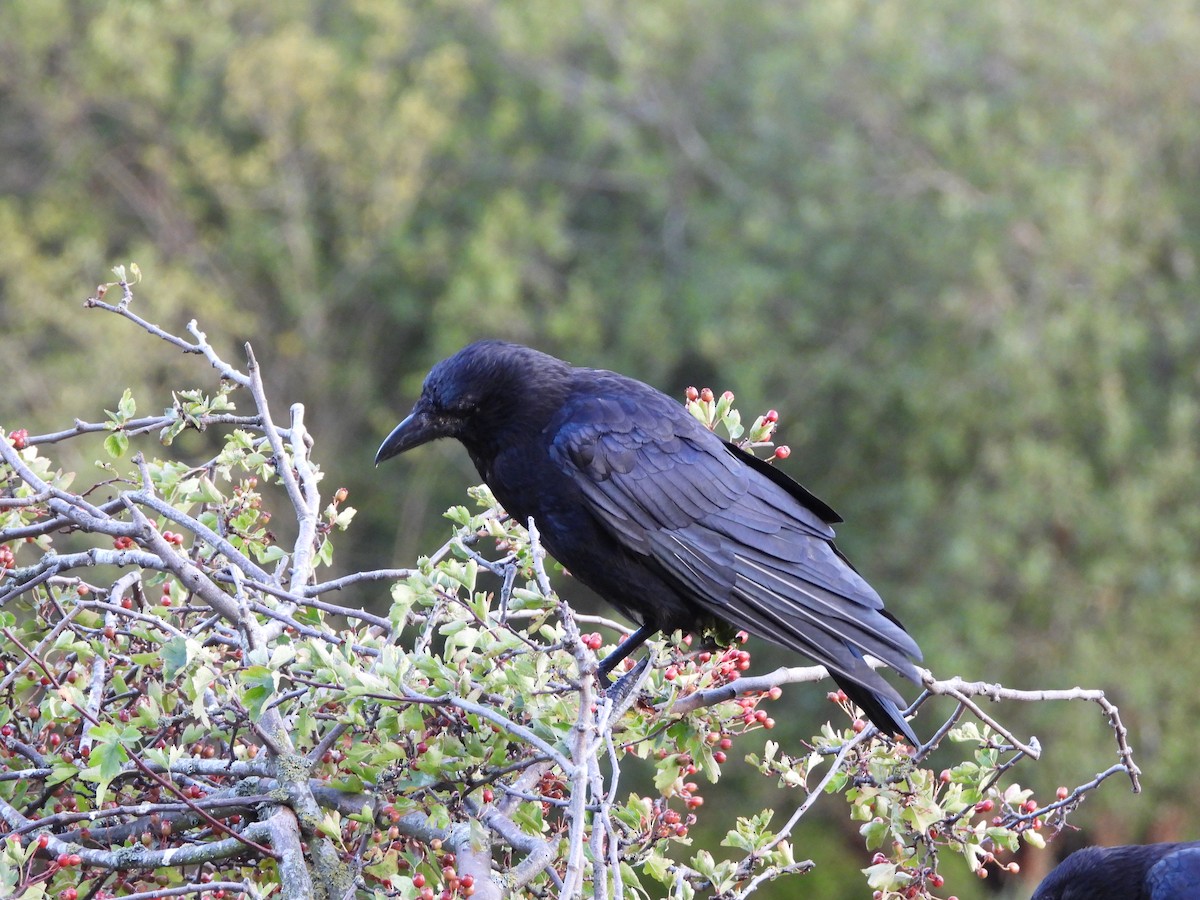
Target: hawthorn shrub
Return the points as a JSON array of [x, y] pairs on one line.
[[187, 710]]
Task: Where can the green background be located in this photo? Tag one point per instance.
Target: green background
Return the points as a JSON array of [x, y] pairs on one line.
[[954, 244]]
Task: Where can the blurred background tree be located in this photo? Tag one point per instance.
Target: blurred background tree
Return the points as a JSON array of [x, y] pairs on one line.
[[955, 245]]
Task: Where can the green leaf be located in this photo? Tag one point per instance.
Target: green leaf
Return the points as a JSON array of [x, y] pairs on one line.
[[205, 492], [885, 877], [108, 756], [127, 407], [61, 772], [875, 833], [667, 777], [116, 444], [659, 868], [201, 681], [331, 826], [260, 687], [176, 654]]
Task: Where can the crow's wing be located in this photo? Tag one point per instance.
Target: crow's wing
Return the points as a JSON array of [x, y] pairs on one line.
[[1176, 875], [737, 542]]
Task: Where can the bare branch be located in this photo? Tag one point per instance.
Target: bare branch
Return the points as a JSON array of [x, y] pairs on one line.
[[123, 311], [964, 690]]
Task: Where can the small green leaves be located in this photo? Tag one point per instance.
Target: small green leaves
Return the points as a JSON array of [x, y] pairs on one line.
[[116, 444], [133, 276], [260, 685]]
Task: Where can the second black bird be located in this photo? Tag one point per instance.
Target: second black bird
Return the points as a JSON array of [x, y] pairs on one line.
[[667, 522]]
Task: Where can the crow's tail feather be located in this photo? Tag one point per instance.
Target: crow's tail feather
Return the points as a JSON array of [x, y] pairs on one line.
[[883, 713]]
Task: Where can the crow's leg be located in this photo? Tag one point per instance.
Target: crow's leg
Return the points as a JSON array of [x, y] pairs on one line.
[[626, 647]]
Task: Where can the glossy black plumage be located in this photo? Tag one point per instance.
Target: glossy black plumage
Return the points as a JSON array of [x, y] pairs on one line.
[[1132, 872], [667, 522]]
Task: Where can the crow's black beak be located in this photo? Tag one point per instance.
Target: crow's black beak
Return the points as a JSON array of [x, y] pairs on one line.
[[417, 429]]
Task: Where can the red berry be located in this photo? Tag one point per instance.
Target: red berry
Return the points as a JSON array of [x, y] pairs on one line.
[[719, 756], [19, 438], [1063, 793], [692, 394], [783, 451], [488, 795], [706, 395], [771, 416], [984, 806]]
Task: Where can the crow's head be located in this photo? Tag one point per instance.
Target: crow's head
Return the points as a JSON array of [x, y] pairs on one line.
[[473, 394]]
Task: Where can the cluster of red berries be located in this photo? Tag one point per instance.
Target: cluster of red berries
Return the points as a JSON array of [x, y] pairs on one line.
[[592, 641], [672, 823], [454, 884], [7, 559], [752, 717], [19, 439], [721, 742], [730, 664]]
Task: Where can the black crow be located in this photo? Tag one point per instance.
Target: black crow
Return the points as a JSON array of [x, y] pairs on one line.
[[1134, 872], [667, 522]]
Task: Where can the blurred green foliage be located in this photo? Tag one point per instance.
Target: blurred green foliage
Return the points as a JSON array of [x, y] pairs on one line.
[[955, 244]]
